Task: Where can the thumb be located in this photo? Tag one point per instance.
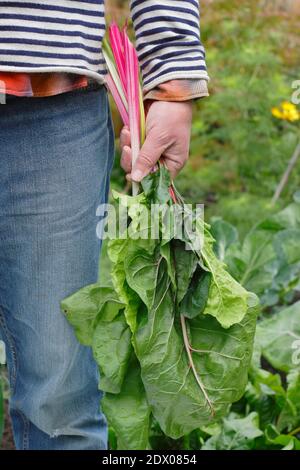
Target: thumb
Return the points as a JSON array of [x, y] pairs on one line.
[[148, 156]]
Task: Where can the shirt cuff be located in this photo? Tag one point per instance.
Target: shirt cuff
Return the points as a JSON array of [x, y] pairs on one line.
[[178, 90]]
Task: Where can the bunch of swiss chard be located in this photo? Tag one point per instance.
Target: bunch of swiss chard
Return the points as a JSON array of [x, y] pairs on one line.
[[173, 338]]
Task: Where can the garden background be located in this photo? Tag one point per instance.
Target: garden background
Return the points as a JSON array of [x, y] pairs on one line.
[[243, 138]]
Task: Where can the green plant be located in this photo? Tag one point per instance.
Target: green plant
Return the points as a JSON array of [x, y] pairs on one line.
[[176, 341], [239, 151], [267, 260]]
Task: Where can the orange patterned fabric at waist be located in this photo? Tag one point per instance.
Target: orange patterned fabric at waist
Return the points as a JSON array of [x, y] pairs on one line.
[[40, 84], [54, 83]]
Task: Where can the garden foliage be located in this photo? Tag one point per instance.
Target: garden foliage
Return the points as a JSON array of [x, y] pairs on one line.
[[153, 398]]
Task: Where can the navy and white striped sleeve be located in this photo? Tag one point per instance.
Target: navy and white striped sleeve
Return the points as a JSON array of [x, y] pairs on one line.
[[168, 40]]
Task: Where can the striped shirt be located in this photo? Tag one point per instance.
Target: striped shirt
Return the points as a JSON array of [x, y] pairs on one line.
[[66, 35]]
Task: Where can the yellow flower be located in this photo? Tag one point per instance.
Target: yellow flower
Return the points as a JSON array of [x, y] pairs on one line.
[[287, 106], [286, 111], [277, 113]]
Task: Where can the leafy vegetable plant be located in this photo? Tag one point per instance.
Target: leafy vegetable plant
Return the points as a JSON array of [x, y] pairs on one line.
[[173, 340]]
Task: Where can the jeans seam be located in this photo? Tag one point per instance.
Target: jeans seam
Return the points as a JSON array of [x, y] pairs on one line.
[[26, 425], [11, 344]]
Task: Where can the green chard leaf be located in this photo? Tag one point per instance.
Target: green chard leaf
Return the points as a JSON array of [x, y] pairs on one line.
[[141, 265], [252, 263], [97, 317], [167, 253], [289, 217], [185, 264], [225, 235], [196, 296], [112, 348], [117, 250], [84, 307], [282, 441], [128, 412], [227, 300], [156, 186], [289, 417], [279, 338], [265, 395], [182, 399], [236, 434]]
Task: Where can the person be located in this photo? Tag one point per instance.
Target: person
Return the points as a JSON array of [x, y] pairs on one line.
[[57, 147]]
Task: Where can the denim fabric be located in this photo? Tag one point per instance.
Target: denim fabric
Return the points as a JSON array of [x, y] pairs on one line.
[[56, 156]]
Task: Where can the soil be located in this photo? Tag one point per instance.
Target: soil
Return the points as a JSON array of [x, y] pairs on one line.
[[7, 442]]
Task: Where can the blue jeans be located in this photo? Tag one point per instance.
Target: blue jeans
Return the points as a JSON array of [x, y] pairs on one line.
[[56, 156]]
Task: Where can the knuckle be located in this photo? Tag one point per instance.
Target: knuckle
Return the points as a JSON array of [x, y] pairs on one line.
[[124, 162], [178, 165], [123, 137], [166, 136], [145, 159], [124, 131]]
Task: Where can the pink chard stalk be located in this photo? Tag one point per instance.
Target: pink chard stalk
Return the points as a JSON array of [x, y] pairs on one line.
[[123, 81]]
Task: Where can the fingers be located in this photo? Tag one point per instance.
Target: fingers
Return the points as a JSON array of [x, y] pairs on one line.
[[168, 127], [126, 159], [149, 155], [125, 143], [125, 137], [176, 156]]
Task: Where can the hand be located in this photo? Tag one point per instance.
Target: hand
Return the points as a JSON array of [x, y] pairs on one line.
[[168, 130]]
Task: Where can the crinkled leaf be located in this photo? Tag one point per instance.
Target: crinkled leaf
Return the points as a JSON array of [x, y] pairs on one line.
[[268, 262], [225, 235], [227, 300], [112, 348], [283, 441], [196, 296], [84, 307], [279, 338], [289, 217], [141, 265], [117, 253], [252, 264], [156, 186], [289, 417], [265, 395], [185, 261], [222, 362], [129, 201], [167, 253], [236, 434], [286, 245], [128, 412]]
